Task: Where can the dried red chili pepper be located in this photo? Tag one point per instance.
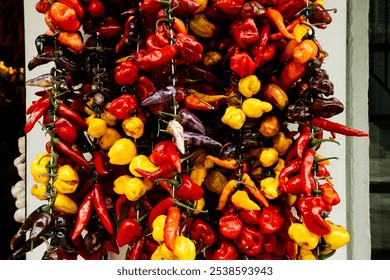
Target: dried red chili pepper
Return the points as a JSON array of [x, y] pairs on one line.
[[311, 209], [242, 64], [334, 127], [123, 106], [65, 111], [202, 233], [245, 33], [171, 227], [71, 153], [270, 220], [134, 253], [150, 60], [100, 207], [230, 226], [37, 113], [126, 73], [83, 215], [128, 231], [249, 241]]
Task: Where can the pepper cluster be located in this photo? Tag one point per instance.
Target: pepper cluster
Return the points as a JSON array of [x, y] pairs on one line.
[[183, 129]]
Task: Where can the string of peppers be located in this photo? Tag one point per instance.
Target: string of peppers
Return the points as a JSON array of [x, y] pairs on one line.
[[183, 129]]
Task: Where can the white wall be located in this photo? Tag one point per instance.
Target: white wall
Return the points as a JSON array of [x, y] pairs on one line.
[[333, 39]]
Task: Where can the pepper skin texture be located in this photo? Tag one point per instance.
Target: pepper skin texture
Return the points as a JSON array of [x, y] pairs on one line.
[[67, 179], [133, 127], [255, 108], [184, 249], [338, 236], [122, 151], [241, 200], [234, 117], [38, 168], [303, 236], [249, 85]]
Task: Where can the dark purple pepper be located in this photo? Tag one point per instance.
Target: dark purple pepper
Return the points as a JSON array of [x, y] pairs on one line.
[[160, 96], [298, 113], [252, 9], [326, 107], [99, 98], [43, 224], [322, 86], [197, 139], [191, 121]]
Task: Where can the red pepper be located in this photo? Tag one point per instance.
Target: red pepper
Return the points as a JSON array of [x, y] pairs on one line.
[[75, 5], [290, 8], [242, 64], [202, 233], [268, 54], [150, 6], [318, 15], [164, 171], [159, 209], [231, 7], [83, 215], [252, 9], [311, 209], [150, 60], [329, 195], [100, 207], [64, 17], [249, 217], [126, 32], [291, 168], [245, 33], [263, 38], [171, 227], [307, 171], [270, 219], [123, 106], [72, 154], [225, 251], [110, 245], [65, 129], [274, 245], [118, 205], [134, 253], [126, 73], [230, 226], [188, 189], [185, 7], [39, 111], [64, 111], [144, 87], [36, 104], [99, 162], [109, 29], [336, 127], [291, 74], [249, 241], [188, 48], [128, 232]]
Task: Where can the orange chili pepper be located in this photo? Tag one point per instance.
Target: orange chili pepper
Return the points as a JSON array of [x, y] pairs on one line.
[[171, 226], [251, 186], [230, 163], [226, 192], [291, 73], [305, 51], [278, 20], [179, 26]]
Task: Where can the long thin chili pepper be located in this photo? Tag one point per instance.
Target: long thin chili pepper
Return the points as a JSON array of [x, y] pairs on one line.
[[278, 20], [307, 171], [293, 167], [37, 114], [65, 111], [158, 209], [37, 103], [83, 215], [67, 150], [227, 190], [230, 163], [118, 205], [289, 28], [251, 186], [98, 162], [100, 207], [135, 252], [331, 126], [171, 227]]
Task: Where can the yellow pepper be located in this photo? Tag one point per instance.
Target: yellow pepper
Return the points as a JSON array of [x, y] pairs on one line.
[[109, 118], [67, 179], [200, 26], [279, 166], [184, 250], [97, 127], [38, 168], [141, 162], [199, 205], [249, 85], [120, 184], [109, 138], [122, 151], [277, 96], [198, 174], [338, 237], [268, 157], [305, 254], [88, 107], [255, 108], [269, 126], [215, 181], [234, 117], [63, 203], [133, 127], [135, 189], [303, 236], [241, 200], [300, 30], [270, 187], [281, 143], [158, 228], [40, 191], [203, 5]]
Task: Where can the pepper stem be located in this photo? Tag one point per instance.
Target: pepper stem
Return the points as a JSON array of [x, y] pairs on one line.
[[181, 204]]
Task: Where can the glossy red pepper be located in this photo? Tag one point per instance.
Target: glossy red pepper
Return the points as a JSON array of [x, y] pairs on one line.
[[188, 189], [230, 226], [202, 233], [225, 251], [150, 60], [290, 8], [307, 171], [291, 168], [101, 209], [171, 227], [126, 73], [65, 129], [188, 48], [118, 205], [98, 162], [65, 111], [135, 252], [123, 106], [270, 220], [231, 7], [329, 196], [164, 171], [274, 245], [128, 232], [185, 7], [159, 209], [71, 153], [245, 33], [83, 215], [242, 64], [150, 6], [36, 114], [334, 127], [249, 217], [291, 73], [311, 208], [109, 29], [164, 151], [249, 241]]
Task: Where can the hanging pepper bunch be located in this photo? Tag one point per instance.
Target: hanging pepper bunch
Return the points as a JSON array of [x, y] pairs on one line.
[[183, 130]]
